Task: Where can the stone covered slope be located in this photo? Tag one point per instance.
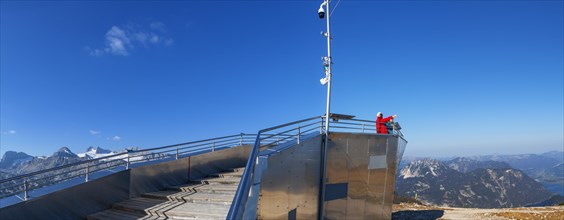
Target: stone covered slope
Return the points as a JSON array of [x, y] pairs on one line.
[[411, 211]]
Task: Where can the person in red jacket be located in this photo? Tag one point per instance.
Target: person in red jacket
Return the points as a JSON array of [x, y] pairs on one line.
[[381, 123]]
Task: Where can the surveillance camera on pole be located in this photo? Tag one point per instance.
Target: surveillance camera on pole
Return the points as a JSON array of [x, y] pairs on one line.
[[321, 11]]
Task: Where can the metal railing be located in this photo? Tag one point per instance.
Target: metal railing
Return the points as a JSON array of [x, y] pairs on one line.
[[266, 138], [288, 132], [119, 161], [365, 126]]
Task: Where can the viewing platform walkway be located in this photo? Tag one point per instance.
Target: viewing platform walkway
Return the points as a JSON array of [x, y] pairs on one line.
[[287, 172]]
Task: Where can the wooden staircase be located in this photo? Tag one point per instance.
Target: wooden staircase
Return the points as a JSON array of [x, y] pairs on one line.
[[207, 198]]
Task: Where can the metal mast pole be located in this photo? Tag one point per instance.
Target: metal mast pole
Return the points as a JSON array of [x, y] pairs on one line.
[[329, 62]]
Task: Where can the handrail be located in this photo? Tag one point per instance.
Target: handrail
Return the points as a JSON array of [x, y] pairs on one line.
[[192, 142], [109, 156], [13, 185], [361, 120], [237, 209], [241, 196]]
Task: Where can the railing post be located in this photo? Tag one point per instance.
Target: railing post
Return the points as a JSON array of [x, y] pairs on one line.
[[362, 128], [299, 134], [321, 126], [25, 189], [241, 140], [177, 153], [213, 146], [87, 172], [127, 165]]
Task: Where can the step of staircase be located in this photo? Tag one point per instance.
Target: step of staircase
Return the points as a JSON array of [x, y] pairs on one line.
[[115, 214], [206, 188], [219, 180], [235, 170], [206, 198], [237, 174], [194, 197], [170, 209]]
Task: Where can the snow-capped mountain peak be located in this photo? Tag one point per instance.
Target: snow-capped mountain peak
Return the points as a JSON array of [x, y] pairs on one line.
[[96, 152], [65, 152]]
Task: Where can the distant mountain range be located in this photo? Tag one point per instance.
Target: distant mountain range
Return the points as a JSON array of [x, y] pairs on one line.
[[532, 163], [17, 163], [465, 165], [463, 182], [489, 181], [546, 168]]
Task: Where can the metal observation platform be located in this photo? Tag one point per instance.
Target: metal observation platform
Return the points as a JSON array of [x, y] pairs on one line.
[[282, 172]]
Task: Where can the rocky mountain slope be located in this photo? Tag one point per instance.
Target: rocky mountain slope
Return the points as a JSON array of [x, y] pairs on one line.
[[464, 165], [434, 182], [12, 158], [546, 168]]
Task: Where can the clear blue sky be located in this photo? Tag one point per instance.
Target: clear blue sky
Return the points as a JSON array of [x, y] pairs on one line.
[[465, 77]]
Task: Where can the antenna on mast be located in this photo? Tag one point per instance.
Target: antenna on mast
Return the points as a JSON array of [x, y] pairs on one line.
[[327, 60]]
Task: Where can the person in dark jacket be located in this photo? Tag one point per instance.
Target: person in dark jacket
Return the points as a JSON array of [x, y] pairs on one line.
[[381, 123], [390, 126]]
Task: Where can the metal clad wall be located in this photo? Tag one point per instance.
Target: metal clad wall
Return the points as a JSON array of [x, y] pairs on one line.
[[366, 165], [309, 210], [297, 190], [290, 185], [375, 197], [158, 176], [75, 202], [374, 207], [357, 159], [402, 143], [204, 164], [335, 207], [273, 194], [392, 152]]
